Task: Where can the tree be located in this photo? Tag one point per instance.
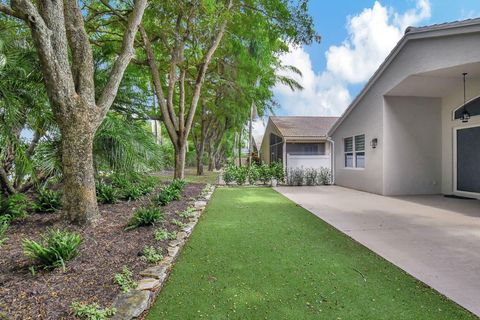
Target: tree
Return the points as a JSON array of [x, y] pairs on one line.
[[63, 46]]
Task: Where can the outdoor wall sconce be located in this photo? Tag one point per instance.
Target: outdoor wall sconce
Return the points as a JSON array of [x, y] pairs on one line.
[[465, 114], [374, 143]]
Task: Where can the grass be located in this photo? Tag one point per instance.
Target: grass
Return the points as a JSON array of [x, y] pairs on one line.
[[257, 255], [208, 177]]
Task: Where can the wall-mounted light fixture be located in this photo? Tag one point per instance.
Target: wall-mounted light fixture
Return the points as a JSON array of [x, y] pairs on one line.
[[465, 114], [374, 143]]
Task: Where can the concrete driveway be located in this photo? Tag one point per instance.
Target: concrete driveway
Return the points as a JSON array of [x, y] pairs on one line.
[[435, 239]]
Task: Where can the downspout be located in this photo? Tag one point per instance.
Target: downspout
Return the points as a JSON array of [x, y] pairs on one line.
[[332, 158]]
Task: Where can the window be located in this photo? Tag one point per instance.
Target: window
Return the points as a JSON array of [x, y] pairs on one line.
[[473, 108], [306, 149], [276, 148], [354, 149]]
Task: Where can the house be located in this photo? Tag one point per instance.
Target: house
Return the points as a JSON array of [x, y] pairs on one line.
[[298, 142], [415, 128]]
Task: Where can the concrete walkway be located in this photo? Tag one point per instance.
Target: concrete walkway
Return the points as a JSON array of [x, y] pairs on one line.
[[435, 239]]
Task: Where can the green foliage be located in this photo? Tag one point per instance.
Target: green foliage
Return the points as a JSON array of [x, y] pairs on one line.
[[324, 176], [151, 255], [167, 195], [253, 174], [229, 174], [133, 186], [178, 184], [265, 173], [296, 177], [310, 177], [145, 217], [47, 200], [125, 280], [91, 311], [241, 174], [188, 213], [163, 234], [4, 224], [107, 193], [57, 247], [15, 206], [178, 223], [277, 171]]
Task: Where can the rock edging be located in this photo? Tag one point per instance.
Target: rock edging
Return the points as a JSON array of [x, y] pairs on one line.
[[133, 304]]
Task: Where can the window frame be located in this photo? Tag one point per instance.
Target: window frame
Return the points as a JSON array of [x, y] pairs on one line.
[[354, 152]]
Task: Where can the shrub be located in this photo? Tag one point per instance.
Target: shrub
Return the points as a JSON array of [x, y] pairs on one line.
[[253, 174], [145, 217], [107, 193], [229, 173], [310, 176], [241, 175], [47, 200], [132, 192], [151, 255], [167, 195], [15, 206], [163, 234], [125, 279], [58, 247], [178, 184], [325, 176], [91, 311], [277, 171], [296, 176], [265, 173], [4, 224]]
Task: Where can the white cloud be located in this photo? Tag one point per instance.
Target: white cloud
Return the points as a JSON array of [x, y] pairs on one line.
[[372, 34]]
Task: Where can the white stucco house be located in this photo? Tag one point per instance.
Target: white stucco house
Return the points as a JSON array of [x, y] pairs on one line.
[[409, 131], [298, 142]]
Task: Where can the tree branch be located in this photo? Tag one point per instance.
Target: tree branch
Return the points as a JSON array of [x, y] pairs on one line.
[[10, 12]]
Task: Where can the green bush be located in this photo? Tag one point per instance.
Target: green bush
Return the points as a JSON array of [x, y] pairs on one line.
[[277, 171], [15, 206], [145, 217], [265, 173], [296, 177], [167, 195], [132, 192], [253, 174], [58, 247], [151, 255], [47, 200], [91, 311], [325, 176], [125, 280], [229, 173], [178, 184], [163, 234], [241, 175], [4, 224], [107, 193], [311, 176]]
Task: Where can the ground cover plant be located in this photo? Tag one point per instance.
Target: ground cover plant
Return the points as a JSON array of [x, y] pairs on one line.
[[91, 311], [125, 279], [146, 216], [47, 200], [257, 255]]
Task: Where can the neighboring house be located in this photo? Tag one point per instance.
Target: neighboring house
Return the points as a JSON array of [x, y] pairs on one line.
[[404, 134], [298, 142]]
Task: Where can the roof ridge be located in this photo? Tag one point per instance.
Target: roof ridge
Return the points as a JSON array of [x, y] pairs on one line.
[[456, 23]]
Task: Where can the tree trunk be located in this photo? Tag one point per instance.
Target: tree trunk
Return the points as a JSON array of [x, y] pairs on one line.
[[211, 160], [240, 149], [180, 153], [79, 198], [199, 164]]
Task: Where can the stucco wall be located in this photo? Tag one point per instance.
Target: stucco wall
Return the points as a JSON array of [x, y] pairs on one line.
[[412, 146], [367, 117]]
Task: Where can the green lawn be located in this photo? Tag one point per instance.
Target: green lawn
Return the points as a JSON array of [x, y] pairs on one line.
[[257, 255], [191, 176]]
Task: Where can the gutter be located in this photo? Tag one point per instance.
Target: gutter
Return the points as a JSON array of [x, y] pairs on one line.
[[332, 158]]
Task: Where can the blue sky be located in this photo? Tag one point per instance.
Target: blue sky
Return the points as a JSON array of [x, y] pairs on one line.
[[356, 37]]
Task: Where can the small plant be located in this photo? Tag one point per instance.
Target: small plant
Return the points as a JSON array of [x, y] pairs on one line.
[[163, 234], [167, 195], [241, 175], [47, 200], [4, 224], [229, 173], [15, 206], [178, 184], [91, 311], [107, 193], [311, 176], [253, 174], [265, 173], [325, 176], [277, 171], [188, 213], [151, 255], [58, 247], [178, 223], [125, 279], [145, 217], [132, 192], [296, 176]]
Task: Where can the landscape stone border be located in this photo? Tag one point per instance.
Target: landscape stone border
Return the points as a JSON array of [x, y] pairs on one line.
[[134, 303]]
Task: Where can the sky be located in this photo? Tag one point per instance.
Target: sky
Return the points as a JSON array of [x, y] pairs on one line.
[[357, 35]]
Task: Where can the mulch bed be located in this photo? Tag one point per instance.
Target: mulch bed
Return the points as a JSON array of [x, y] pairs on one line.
[[105, 249]]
